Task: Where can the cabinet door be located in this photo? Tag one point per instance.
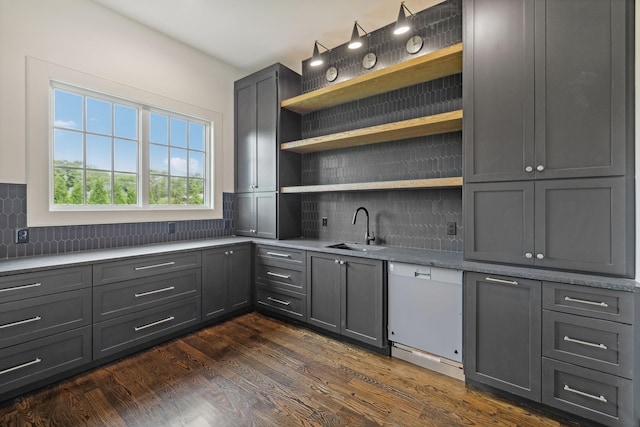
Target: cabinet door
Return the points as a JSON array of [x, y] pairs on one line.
[[266, 126], [580, 225], [498, 222], [245, 135], [502, 335], [323, 281], [265, 205], [214, 283], [362, 302], [239, 277], [498, 89], [581, 66], [245, 214]]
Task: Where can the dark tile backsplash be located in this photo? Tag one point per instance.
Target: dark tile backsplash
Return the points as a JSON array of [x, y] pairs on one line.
[[63, 239], [405, 218]]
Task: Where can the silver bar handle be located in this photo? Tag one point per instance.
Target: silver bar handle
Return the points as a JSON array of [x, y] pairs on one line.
[[279, 301], [21, 322], [582, 301], [17, 288], [24, 365], [587, 343], [506, 282], [279, 254], [281, 276], [148, 325], [157, 291], [146, 267], [419, 274], [582, 393]]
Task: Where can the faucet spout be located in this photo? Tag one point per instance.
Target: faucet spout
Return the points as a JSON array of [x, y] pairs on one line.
[[368, 236]]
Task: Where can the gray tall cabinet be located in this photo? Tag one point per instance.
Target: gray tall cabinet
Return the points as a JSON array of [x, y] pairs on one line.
[[548, 133], [261, 168]]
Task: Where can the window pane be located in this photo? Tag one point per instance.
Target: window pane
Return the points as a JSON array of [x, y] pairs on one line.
[[126, 155], [98, 152], [67, 186], [178, 133], [178, 191], [196, 164], [159, 189], [196, 192], [158, 128], [98, 188], [67, 148], [126, 122], [98, 116], [196, 136], [125, 189], [68, 110], [158, 159], [178, 162]]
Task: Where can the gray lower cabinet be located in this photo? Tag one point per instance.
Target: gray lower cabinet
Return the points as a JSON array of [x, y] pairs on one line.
[[226, 280], [545, 224], [346, 295], [502, 329]]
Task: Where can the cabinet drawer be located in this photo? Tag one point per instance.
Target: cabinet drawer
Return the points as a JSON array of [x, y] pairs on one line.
[[27, 363], [117, 271], [28, 285], [26, 320], [286, 276], [284, 302], [593, 302], [112, 336], [592, 343], [118, 299], [597, 396], [293, 256]]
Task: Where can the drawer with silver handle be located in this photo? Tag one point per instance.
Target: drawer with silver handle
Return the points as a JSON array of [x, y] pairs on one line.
[[281, 301], [26, 320], [118, 299], [594, 395], [280, 275], [603, 304], [39, 359], [593, 343], [28, 285], [131, 330], [127, 269], [291, 256]]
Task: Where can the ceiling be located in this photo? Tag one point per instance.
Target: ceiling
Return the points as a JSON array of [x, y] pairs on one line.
[[252, 34]]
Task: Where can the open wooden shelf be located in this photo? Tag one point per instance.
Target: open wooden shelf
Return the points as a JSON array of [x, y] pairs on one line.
[[441, 63], [396, 131], [380, 185]]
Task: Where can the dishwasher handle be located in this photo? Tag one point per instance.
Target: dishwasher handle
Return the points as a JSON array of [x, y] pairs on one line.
[[420, 275]]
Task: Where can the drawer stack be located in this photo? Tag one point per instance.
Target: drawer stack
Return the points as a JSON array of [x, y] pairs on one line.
[[589, 355], [280, 277], [139, 300], [45, 325]]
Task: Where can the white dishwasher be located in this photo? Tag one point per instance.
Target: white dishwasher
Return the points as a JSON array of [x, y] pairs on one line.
[[425, 316]]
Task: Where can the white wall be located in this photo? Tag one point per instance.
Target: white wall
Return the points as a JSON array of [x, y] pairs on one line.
[[85, 36]]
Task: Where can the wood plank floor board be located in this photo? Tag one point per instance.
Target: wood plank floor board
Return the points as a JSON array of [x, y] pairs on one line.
[[258, 371]]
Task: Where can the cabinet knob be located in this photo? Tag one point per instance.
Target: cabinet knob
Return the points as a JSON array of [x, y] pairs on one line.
[[528, 255], [540, 256], [528, 169], [226, 253], [342, 262], [337, 261], [230, 252], [540, 168]]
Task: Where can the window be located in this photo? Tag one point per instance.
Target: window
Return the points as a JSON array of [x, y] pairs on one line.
[[97, 144]]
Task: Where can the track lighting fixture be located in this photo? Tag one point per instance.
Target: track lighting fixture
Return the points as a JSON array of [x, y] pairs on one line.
[[316, 58], [356, 40], [402, 23]]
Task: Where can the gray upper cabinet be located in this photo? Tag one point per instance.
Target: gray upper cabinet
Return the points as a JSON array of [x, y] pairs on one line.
[[546, 89], [256, 214]]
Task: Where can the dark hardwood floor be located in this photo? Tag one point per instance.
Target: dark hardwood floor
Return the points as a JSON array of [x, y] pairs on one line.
[[256, 371]]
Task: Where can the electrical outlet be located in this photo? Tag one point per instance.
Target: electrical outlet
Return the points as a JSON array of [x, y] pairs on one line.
[[324, 221], [452, 229], [172, 227], [22, 235]]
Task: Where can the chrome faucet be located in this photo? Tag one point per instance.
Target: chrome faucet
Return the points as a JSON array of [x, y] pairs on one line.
[[368, 237]]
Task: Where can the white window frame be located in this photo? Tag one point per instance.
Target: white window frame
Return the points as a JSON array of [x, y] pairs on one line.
[[40, 208]]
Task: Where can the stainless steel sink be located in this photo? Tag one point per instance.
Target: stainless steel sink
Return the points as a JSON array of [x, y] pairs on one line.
[[356, 247]]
